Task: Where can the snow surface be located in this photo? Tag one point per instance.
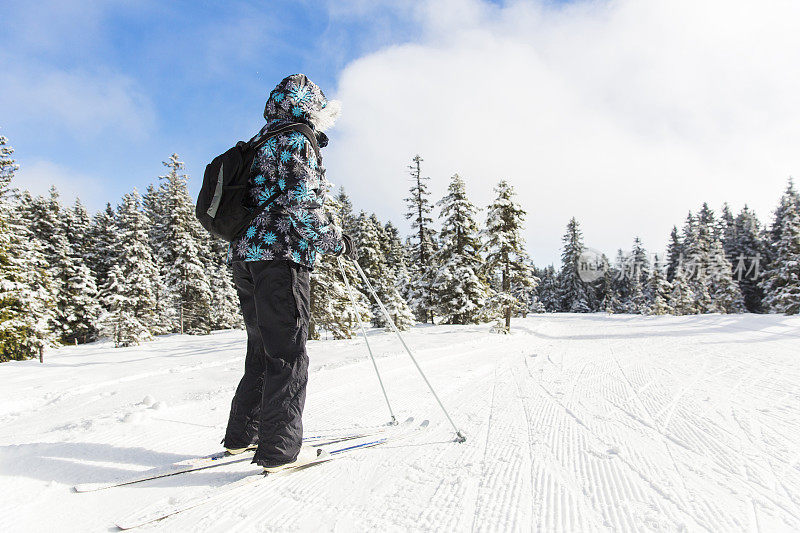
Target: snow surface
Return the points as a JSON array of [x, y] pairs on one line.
[[574, 423]]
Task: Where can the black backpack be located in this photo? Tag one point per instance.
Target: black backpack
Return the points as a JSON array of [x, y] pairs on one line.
[[220, 204]]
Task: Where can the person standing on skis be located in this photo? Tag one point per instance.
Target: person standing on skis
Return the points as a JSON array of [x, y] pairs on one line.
[[271, 262]]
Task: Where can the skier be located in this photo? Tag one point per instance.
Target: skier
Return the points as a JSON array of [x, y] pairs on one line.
[[271, 262]]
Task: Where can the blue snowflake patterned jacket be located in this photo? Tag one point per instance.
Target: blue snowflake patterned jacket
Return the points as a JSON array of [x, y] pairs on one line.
[[294, 226]]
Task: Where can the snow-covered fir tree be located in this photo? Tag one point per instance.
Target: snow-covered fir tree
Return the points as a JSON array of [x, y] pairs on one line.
[[78, 230], [781, 282], [165, 311], [390, 246], [372, 246], [38, 268], [659, 289], [726, 229], [547, 291], [100, 244], [129, 294], [330, 298], [606, 293], [153, 205], [395, 251], [505, 258], [674, 253], [24, 286], [422, 244], [47, 225], [72, 284], [78, 308], [640, 262], [8, 166], [331, 308], [460, 288], [117, 321], [535, 302], [524, 289], [181, 252], [224, 308], [726, 295], [345, 212], [681, 299], [696, 238], [748, 256], [707, 269], [397, 257], [636, 274], [621, 282], [786, 206], [574, 294], [637, 302], [14, 333]]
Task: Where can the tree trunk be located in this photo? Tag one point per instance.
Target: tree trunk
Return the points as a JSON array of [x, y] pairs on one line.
[[506, 288]]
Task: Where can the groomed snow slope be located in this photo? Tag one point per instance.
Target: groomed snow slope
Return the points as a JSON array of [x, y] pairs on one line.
[[574, 423]]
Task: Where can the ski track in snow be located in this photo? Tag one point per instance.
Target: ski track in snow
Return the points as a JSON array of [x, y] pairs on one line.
[[574, 423]]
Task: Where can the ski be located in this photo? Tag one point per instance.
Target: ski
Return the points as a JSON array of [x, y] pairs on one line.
[[163, 510], [223, 458]]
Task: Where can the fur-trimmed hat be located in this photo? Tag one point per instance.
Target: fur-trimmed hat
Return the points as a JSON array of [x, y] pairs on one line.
[[298, 99]]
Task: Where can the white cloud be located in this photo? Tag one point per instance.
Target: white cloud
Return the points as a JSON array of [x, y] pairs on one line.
[[625, 114], [76, 103], [38, 176]]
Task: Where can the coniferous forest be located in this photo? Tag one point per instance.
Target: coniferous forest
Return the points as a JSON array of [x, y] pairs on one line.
[[145, 267]]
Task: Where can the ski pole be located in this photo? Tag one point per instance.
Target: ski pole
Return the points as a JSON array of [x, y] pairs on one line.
[[364, 333], [459, 436]]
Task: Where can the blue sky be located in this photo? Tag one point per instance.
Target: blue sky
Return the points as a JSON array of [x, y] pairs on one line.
[[623, 113], [185, 77]]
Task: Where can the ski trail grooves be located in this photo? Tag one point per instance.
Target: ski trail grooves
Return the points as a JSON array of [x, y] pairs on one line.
[[506, 464], [574, 423], [562, 505]]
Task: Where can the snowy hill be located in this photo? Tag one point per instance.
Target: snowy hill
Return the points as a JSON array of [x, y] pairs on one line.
[[574, 423]]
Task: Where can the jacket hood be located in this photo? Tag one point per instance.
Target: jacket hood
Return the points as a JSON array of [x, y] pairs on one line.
[[298, 99]]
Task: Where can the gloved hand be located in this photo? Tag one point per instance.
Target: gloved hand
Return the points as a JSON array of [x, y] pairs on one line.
[[349, 249]]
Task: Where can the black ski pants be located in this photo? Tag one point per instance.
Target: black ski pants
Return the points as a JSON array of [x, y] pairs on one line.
[[268, 405]]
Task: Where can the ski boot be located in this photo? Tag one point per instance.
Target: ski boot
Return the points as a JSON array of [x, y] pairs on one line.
[[307, 455]]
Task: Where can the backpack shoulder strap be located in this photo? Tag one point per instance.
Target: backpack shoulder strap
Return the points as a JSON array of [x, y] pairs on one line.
[[309, 133], [257, 142]]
